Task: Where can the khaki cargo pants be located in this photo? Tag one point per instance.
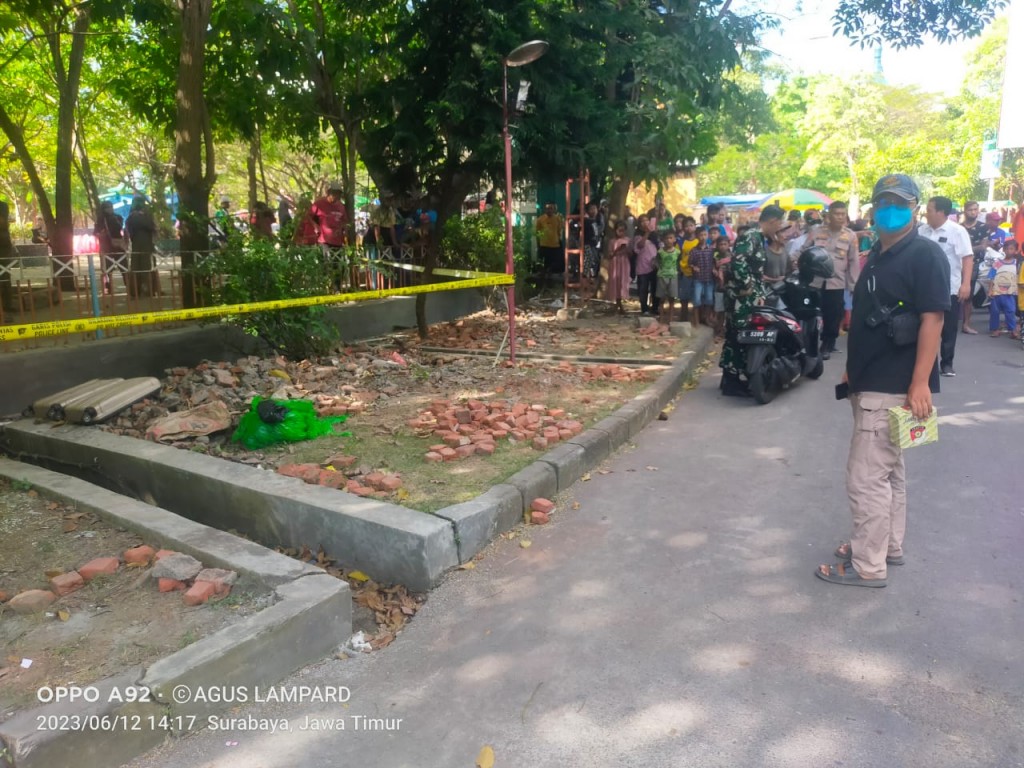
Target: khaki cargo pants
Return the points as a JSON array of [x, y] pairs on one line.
[[876, 482]]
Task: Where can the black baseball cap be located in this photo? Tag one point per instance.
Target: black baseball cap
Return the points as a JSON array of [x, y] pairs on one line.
[[898, 184]]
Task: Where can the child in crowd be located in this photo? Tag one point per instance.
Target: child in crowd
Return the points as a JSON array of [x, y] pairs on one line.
[[618, 279], [646, 267], [1020, 289], [723, 258], [684, 280], [702, 264], [1003, 291], [668, 266]]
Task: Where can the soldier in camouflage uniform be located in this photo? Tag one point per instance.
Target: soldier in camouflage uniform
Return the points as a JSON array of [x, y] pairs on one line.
[[745, 289]]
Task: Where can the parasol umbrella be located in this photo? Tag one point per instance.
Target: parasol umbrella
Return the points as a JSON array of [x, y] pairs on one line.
[[796, 199]]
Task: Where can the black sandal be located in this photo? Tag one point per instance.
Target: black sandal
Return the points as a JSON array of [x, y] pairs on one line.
[[846, 574]]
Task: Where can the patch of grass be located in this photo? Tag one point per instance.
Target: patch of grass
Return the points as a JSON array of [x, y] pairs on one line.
[[45, 546], [188, 638], [21, 485]]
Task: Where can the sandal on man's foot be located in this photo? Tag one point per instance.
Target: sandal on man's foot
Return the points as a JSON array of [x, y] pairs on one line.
[[968, 330], [845, 574], [845, 553]]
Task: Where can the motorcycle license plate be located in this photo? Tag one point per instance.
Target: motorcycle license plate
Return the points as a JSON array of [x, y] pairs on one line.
[[757, 337]]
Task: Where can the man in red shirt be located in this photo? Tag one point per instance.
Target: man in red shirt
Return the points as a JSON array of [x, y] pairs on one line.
[[331, 221]]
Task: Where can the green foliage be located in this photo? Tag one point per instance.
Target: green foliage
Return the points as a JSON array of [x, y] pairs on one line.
[[477, 241], [252, 270], [903, 24]]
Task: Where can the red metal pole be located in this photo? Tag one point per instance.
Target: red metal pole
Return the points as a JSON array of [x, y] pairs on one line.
[[509, 259]]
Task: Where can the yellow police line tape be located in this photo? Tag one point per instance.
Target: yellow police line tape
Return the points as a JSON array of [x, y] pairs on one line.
[[87, 324]]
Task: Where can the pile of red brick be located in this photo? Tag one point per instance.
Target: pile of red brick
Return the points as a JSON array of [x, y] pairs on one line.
[[611, 372], [377, 484], [475, 427]]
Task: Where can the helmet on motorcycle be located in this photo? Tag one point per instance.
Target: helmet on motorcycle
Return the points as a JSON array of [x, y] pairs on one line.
[[815, 262]]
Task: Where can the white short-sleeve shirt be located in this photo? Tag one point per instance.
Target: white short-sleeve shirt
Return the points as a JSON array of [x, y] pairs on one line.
[[955, 243]]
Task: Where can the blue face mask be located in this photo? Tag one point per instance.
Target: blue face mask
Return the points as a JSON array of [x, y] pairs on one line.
[[892, 218]]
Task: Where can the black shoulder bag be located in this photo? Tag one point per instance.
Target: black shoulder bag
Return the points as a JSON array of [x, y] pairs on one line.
[[901, 323]]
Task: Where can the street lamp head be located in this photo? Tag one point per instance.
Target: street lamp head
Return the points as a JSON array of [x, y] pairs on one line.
[[526, 53]]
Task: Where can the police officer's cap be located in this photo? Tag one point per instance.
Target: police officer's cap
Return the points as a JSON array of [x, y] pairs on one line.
[[898, 184]]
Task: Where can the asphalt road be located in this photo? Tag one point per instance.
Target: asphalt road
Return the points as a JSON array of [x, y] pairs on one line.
[[673, 619]]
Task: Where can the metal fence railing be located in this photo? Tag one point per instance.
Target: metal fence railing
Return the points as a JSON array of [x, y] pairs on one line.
[[36, 287]]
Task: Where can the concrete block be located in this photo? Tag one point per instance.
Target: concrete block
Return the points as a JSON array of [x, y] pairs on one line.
[[538, 479], [33, 747], [176, 533], [646, 322], [683, 330], [568, 462], [478, 521], [636, 414], [616, 428], [313, 617], [596, 445]]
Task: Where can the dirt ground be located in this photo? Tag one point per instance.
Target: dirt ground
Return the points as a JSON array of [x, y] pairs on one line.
[[383, 384], [112, 623]]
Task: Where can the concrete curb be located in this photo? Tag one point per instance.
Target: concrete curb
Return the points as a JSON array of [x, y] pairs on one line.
[[263, 505], [477, 522], [312, 616], [391, 543]]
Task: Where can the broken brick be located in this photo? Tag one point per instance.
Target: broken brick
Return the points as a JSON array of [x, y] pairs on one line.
[[448, 453], [66, 583], [31, 601], [465, 451], [373, 480], [463, 415], [171, 585], [433, 456], [390, 483], [200, 592], [164, 553], [541, 504], [540, 443], [330, 479], [101, 565], [141, 555], [309, 473], [485, 449], [341, 461], [539, 518]]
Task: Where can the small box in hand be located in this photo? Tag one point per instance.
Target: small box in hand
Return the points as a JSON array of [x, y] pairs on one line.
[[908, 432]]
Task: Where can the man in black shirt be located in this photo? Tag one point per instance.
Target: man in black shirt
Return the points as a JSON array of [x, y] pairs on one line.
[[978, 233], [906, 276]]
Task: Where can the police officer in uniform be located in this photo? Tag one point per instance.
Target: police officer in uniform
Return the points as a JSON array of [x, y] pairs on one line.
[[841, 243], [745, 288], [889, 364]]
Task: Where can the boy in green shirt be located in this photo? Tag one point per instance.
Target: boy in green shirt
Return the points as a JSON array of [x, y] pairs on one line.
[[668, 269]]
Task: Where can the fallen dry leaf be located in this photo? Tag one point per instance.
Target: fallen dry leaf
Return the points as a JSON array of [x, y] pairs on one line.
[[525, 543], [486, 757], [135, 565], [52, 505], [52, 573], [69, 526], [586, 477], [63, 615], [575, 505], [358, 576], [604, 471], [467, 566], [650, 468]]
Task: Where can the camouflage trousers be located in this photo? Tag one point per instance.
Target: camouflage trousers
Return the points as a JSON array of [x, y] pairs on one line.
[[734, 355]]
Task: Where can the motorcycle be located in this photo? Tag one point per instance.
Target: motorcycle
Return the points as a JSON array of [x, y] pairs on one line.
[[782, 337]]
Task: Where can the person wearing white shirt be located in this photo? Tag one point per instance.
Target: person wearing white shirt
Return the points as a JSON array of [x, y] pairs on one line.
[[956, 244]]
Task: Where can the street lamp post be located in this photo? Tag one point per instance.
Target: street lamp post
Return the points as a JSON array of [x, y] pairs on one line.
[[521, 55]]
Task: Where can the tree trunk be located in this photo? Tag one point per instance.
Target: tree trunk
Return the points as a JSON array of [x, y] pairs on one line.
[[84, 168], [17, 138], [62, 238], [350, 181], [250, 166], [191, 135]]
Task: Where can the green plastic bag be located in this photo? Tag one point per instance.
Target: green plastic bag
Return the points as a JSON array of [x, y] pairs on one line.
[[269, 422]]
